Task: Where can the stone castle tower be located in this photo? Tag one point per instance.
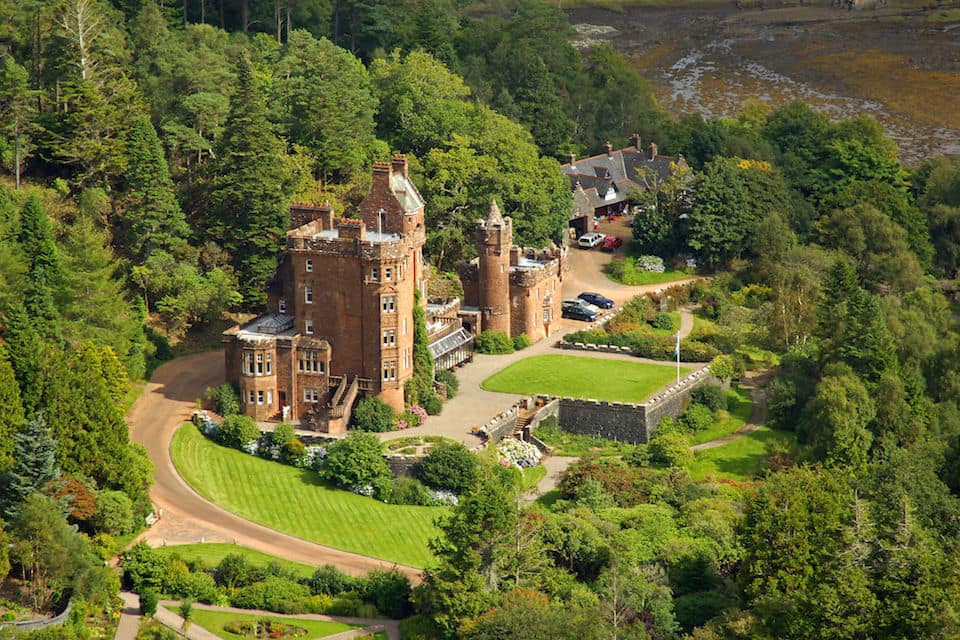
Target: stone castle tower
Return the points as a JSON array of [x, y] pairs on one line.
[[494, 241]]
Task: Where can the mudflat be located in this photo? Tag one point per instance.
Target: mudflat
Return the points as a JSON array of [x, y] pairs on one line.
[[900, 64]]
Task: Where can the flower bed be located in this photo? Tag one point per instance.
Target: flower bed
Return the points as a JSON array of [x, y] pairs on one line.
[[518, 453]]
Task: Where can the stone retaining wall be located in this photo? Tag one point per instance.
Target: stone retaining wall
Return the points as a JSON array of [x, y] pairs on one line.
[[622, 421]]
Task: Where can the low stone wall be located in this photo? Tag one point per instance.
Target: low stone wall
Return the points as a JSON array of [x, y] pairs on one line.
[[503, 424], [402, 465], [622, 421], [32, 625]]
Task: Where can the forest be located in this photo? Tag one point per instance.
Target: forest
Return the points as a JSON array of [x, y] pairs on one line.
[[150, 151]]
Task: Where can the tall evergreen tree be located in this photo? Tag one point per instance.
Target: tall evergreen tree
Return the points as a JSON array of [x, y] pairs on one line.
[[27, 355], [17, 113], [11, 409], [35, 463], [45, 276], [97, 307], [154, 216], [251, 188]]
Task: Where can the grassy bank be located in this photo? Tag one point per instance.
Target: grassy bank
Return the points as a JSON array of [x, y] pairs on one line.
[[298, 502], [741, 459]]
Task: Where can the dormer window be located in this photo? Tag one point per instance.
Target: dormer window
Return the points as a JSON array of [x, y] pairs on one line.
[[282, 306]]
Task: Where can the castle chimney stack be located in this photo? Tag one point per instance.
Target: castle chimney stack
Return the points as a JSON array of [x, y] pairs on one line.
[[635, 139], [608, 148]]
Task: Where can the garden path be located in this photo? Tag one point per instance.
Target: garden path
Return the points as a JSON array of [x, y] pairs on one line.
[[555, 466], [755, 382], [370, 625], [130, 617]]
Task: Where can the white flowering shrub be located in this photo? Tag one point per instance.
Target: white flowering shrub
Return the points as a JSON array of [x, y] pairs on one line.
[[313, 457], [651, 263], [442, 497], [518, 453], [363, 490]]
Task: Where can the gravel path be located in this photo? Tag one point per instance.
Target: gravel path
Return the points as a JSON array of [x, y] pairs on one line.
[[758, 394]]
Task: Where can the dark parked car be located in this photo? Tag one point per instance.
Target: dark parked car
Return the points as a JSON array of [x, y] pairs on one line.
[[596, 299], [578, 313]]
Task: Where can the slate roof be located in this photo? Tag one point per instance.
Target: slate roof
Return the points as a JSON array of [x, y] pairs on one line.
[[617, 170]]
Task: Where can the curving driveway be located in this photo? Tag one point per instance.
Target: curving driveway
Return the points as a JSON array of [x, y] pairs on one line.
[[170, 397], [186, 517]]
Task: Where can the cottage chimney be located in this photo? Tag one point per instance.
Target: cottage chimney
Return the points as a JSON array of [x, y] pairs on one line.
[[399, 164], [571, 158], [653, 150], [608, 148], [635, 139]]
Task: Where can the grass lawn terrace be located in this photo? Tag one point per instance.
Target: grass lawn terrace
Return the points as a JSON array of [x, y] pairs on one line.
[[214, 621], [584, 377], [211, 553], [300, 503]]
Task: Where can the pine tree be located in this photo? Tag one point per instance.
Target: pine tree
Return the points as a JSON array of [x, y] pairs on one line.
[[11, 410], [26, 353], [97, 307], [155, 218], [35, 463], [45, 275], [251, 189]]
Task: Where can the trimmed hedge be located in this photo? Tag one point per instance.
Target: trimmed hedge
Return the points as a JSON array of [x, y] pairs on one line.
[[493, 342], [644, 345]]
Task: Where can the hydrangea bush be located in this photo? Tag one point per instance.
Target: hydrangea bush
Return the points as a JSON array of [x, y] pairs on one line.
[[651, 263], [518, 453]]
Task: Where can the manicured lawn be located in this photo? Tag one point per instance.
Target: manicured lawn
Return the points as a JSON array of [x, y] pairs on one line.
[[298, 502], [739, 416], [582, 377], [210, 554], [625, 271], [213, 621], [741, 459]]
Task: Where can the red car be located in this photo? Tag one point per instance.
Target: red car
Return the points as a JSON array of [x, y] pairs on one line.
[[611, 243]]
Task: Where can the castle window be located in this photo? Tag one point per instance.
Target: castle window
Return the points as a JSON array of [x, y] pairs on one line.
[[406, 358], [270, 397], [308, 295], [389, 304], [404, 326], [282, 306], [389, 370], [310, 394], [259, 364], [388, 273], [516, 300], [269, 363], [375, 273], [538, 295], [309, 266], [248, 363], [546, 316], [389, 337], [501, 268], [251, 398], [260, 396], [309, 362], [308, 327]]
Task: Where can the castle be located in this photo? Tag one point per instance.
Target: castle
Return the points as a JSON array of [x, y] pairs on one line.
[[508, 288], [340, 306]]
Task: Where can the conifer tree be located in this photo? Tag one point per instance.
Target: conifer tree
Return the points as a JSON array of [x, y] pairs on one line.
[[251, 188], [45, 273], [26, 353], [35, 463], [11, 409], [154, 216]]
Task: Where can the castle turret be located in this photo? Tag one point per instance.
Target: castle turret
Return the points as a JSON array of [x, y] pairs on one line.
[[494, 239]]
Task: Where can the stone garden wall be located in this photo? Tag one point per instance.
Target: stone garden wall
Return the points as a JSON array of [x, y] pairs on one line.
[[626, 422]]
